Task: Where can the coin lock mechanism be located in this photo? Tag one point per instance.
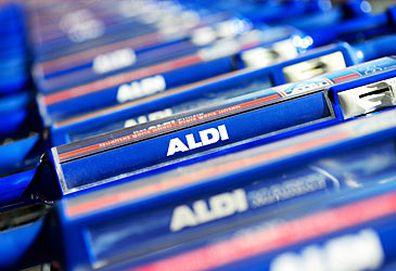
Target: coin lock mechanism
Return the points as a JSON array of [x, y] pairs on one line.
[[368, 98]]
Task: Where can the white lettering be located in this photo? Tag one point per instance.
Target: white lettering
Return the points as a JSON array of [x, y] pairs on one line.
[[192, 144], [114, 60], [150, 117], [352, 252], [176, 145], [207, 137], [137, 89], [219, 206], [182, 217], [223, 132]]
